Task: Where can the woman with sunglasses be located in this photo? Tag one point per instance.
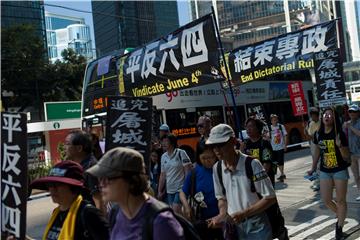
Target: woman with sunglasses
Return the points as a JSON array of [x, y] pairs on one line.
[[333, 152], [124, 182]]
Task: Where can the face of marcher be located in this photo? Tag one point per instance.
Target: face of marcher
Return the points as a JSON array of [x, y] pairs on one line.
[[71, 151], [162, 133], [224, 151], [274, 121], [315, 117], [208, 158], [60, 192], [252, 130], [112, 188], [353, 115], [328, 118], [166, 144], [154, 157]]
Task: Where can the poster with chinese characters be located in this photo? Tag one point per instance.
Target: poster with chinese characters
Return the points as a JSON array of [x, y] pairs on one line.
[[257, 111], [128, 124], [14, 179], [188, 57], [297, 98], [329, 78], [287, 52]]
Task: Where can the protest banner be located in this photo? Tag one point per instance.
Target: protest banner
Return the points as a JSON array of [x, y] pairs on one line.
[[329, 78], [288, 52], [14, 178], [297, 98], [128, 124], [187, 57]]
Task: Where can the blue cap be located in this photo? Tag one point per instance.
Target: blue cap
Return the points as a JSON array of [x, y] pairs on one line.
[[164, 127], [354, 108]]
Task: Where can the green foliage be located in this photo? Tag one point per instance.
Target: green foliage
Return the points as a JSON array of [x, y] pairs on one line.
[[61, 150], [27, 72], [38, 169]]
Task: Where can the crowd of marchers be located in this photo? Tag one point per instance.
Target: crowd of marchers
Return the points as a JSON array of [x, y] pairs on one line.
[[225, 192]]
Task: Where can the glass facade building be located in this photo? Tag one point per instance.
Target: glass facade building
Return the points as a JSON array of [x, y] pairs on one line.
[[67, 32], [126, 24], [24, 12]]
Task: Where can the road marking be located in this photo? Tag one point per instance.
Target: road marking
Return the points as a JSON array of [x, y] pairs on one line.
[[295, 229], [315, 229], [350, 224], [310, 205]]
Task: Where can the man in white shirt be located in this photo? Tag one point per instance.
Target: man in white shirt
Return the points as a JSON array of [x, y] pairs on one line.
[[278, 139], [237, 203]]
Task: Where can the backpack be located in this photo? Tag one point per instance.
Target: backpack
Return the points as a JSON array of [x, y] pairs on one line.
[[156, 208], [276, 219]]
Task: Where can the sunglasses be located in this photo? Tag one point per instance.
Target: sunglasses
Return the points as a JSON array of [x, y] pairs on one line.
[[327, 115], [108, 180], [352, 111]]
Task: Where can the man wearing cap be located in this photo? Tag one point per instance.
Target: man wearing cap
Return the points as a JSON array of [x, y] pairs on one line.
[[278, 137], [164, 130], [123, 181], [353, 132], [309, 131], [74, 218], [237, 203], [78, 148]]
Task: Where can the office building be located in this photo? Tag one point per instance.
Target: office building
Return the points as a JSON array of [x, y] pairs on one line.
[[67, 32], [24, 12], [126, 24]]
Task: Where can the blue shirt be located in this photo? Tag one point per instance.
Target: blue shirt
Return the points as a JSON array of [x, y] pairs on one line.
[[204, 183]]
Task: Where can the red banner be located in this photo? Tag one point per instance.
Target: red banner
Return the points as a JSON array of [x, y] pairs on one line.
[[297, 98]]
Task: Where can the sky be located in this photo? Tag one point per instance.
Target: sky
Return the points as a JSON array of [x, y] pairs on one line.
[[85, 5]]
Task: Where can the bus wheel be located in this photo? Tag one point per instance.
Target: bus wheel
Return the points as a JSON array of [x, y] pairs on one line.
[[189, 151], [295, 136]]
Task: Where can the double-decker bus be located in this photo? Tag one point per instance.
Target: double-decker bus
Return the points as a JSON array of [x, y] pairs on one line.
[[181, 109]]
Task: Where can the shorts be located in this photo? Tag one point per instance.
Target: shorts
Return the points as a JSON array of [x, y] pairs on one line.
[[340, 175], [173, 198], [278, 157]]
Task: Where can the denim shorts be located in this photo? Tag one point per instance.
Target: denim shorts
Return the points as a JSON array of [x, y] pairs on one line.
[[173, 198], [340, 175]]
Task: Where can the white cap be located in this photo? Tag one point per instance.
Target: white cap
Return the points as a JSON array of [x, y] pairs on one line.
[[220, 134]]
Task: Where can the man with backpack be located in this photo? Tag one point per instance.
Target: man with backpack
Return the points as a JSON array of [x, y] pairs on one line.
[[278, 139], [243, 200]]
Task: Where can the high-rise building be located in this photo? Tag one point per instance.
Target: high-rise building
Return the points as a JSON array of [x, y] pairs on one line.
[[24, 12], [247, 22], [125, 24], [67, 32]]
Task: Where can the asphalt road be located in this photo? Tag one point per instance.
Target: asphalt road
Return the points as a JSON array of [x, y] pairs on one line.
[[305, 215]]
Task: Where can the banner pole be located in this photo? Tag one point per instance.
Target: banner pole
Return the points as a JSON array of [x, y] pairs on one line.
[[237, 118]]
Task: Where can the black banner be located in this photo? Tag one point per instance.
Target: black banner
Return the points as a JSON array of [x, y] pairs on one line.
[[287, 52], [188, 57], [329, 78], [14, 178], [128, 124]]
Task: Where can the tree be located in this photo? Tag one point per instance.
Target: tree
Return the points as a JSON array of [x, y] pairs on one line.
[[27, 73], [23, 59]]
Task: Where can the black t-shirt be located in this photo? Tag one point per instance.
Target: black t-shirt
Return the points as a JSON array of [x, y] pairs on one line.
[[55, 229], [330, 156], [90, 224], [260, 147]]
